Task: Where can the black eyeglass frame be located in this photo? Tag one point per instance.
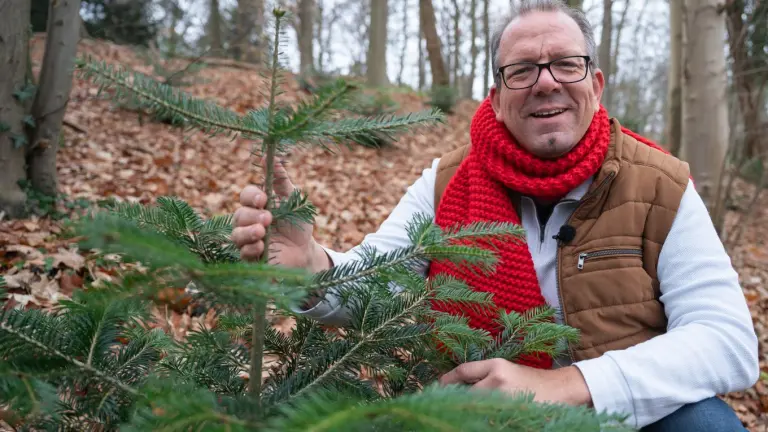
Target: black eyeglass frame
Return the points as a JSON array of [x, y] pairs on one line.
[[542, 66]]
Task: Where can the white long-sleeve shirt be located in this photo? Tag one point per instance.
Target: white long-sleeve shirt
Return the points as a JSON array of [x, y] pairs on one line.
[[710, 347]]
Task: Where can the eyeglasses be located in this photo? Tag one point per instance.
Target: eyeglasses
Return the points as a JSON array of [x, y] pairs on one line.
[[565, 70]]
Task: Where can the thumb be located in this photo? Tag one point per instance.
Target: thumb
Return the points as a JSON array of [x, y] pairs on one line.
[[281, 184], [467, 373]]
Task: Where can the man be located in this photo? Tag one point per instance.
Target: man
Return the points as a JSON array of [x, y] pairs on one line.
[[618, 240]]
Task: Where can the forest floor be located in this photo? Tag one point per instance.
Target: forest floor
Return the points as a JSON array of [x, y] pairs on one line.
[[107, 152]]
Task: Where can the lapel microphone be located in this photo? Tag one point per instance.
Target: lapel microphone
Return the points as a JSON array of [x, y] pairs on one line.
[[565, 235]]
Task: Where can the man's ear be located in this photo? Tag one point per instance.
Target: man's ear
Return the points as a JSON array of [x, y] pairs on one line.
[[496, 102], [598, 85]]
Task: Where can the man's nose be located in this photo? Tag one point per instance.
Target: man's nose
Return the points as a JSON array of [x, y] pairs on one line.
[[546, 82]]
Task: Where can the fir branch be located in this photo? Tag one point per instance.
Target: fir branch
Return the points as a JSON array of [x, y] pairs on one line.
[[295, 210], [365, 129], [449, 408], [22, 337], [113, 234], [405, 311], [164, 100], [485, 230], [297, 122]]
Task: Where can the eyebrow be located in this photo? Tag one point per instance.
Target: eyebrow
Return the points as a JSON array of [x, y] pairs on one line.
[[529, 59]]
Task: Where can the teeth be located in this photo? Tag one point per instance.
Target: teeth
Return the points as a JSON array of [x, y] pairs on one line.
[[547, 113]]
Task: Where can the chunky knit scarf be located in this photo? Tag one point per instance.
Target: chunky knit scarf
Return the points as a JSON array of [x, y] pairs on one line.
[[479, 191]]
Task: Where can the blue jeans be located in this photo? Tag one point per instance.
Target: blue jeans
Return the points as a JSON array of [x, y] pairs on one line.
[[709, 415]]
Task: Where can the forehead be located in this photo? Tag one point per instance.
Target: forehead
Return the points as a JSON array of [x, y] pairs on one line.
[[540, 36]]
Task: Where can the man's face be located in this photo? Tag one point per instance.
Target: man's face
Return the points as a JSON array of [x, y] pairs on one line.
[[541, 37]]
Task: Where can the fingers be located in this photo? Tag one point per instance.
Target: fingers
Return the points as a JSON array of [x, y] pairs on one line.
[[246, 216], [282, 182], [245, 235], [252, 196], [468, 373], [252, 252]]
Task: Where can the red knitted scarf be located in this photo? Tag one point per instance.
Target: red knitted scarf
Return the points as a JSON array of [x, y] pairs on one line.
[[478, 191]]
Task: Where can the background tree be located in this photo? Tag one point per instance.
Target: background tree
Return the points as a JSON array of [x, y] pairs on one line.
[[249, 44], [307, 11], [13, 81], [376, 64], [705, 108], [215, 28], [53, 93], [605, 59], [486, 47], [674, 127], [434, 47]]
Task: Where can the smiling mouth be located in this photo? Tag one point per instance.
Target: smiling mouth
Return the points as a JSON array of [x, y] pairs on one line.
[[548, 113]]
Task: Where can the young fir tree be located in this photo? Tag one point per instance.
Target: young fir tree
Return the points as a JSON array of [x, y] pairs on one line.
[[95, 362]]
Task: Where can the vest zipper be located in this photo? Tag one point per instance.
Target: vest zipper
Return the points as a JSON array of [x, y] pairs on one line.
[[559, 255], [606, 252]]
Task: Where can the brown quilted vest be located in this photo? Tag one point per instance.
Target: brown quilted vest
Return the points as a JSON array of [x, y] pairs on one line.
[[607, 274]]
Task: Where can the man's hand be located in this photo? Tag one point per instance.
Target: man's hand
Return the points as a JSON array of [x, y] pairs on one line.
[[565, 385], [290, 246]]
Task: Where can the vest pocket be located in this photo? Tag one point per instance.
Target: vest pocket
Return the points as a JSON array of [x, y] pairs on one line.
[[586, 256]]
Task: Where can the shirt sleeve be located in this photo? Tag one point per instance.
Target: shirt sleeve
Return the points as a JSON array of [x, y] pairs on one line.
[[392, 234], [710, 347]]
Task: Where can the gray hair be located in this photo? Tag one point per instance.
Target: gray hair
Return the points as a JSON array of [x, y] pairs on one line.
[[529, 6]]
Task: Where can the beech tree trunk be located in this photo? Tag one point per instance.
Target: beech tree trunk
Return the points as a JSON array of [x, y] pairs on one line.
[[214, 28], [319, 15], [487, 34], [14, 22], [473, 47], [605, 51], [705, 111], [53, 89], [250, 28], [749, 86], [456, 44], [306, 20], [404, 51], [427, 16], [376, 60], [615, 50], [422, 65], [675, 79]]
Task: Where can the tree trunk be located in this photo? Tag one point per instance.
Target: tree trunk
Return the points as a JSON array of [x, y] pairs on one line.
[[705, 111], [436, 64], [319, 15], [53, 89], [14, 22], [605, 51], [456, 44], [306, 20], [473, 47], [404, 51], [173, 38], [675, 79], [248, 44], [422, 65], [616, 44], [214, 28], [376, 61], [487, 34], [749, 87], [576, 3]]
